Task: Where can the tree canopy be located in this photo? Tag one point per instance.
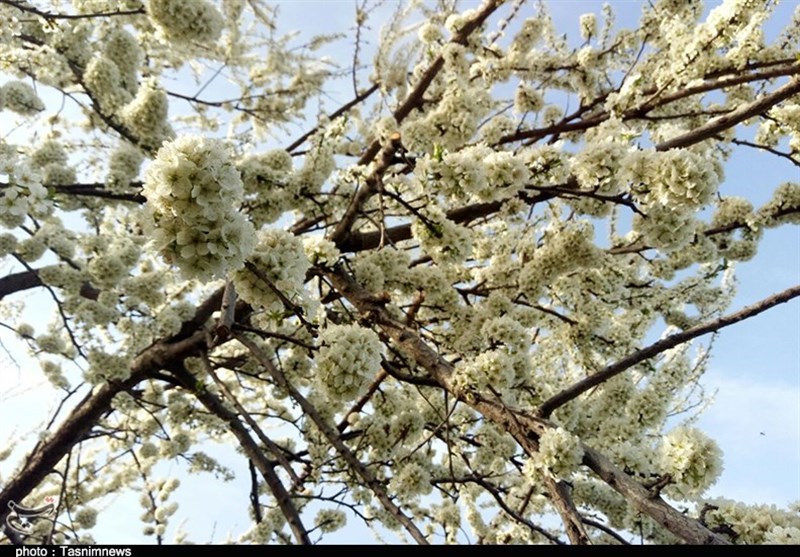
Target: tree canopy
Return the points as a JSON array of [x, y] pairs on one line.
[[455, 280]]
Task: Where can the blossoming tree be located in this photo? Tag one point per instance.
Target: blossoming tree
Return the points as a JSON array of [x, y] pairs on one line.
[[467, 304]]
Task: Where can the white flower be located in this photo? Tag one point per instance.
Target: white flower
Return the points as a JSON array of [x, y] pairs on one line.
[[560, 453], [103, 80], [561, 252], [665, 227], [321, 251], [783, 536], [123, 166], [692, 459], [430, 33], [330, 520], [348, 358], [146, 115], [193, 191], [107, 367], [185, 21], [20, 97], [441, 238], [280, 258], [266, 178], [86, 517], [588, 26], [527, 99], [124, 50], [786, 199]]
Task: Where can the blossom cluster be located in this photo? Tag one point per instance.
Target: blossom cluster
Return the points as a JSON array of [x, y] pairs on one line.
[[24, 193], [441, 238], [107, 367], [527, 99], [51, 158], [784, 207], [561, 252], [474, 173], [266, 178], [454, 120], [321, 251], [330, 520], [197, 21], [348, 358], [412, 478], [123, 49], [20, 97], [692, 459], [281, 263], [560, 454], [157, 510], [123, 166], [665, 227], [146, 116], [104, 82], [193, 191], [736, 212], [754, 524]]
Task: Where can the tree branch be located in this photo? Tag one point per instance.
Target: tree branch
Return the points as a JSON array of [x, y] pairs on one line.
[[656, 348], [713, 127], [412, 101], [250, 448], [160, 355], [335, 440]]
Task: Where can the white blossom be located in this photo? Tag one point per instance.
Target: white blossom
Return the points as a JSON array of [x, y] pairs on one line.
[[349, 357], [588, 25], [193, 191], [184, 21], [20, 97], [692, 459], [281, 263]]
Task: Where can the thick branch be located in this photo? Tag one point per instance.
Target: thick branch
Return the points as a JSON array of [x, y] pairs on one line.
[[86, 414], [17, 282], [690, 530], [662, 345], [524, 428], [160, 355], [573, 522], [25, 280]]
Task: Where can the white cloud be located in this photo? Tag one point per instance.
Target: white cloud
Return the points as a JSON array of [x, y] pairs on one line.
[[756, 421]]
